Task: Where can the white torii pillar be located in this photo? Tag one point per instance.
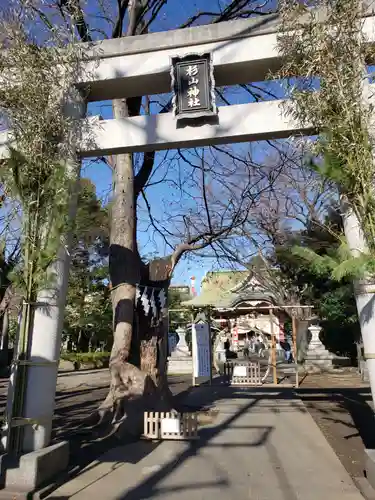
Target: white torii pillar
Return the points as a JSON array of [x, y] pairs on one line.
[[363, 289], [39, 402]]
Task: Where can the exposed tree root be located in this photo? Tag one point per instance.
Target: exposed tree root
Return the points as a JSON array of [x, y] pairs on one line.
[[132, 392]]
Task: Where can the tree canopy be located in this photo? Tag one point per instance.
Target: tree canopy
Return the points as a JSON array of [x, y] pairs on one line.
[[88, 320]]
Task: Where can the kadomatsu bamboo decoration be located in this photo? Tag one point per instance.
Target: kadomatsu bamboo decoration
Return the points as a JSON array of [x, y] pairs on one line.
[[325, 52], [36, 80]]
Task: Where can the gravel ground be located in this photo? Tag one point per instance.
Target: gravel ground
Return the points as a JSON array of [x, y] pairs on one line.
[[342, 407]]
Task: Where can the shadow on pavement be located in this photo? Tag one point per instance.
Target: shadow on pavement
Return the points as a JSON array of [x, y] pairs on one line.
[[352, 401], [149, 487], [203, 398], [84, 449]]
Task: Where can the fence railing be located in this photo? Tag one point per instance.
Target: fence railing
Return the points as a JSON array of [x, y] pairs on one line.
[[242, 373], [170, 425]]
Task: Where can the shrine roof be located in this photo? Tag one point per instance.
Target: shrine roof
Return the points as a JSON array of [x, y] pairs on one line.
[[227, 289]]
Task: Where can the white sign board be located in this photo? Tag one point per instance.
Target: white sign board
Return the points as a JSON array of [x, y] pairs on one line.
[[201, 350], [239, 371], [170, 425]]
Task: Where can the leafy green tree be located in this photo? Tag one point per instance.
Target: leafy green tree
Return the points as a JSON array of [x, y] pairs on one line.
[[88, 320], [333, 301]]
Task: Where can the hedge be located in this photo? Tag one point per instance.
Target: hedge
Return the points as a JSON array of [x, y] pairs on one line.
[[98, 359]]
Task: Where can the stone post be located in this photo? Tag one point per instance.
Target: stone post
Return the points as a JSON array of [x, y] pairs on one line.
[[180, 361], [315, 341], [318, 358]]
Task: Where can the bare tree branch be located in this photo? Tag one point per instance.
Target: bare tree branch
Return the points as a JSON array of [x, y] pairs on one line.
[[153, 223], [122, 7], [231, 11]]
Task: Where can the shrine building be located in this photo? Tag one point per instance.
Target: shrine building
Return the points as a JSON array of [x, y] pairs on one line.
[[239, 302]]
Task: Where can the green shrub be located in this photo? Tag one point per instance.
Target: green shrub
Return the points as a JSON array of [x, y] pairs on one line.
[[98, 359]]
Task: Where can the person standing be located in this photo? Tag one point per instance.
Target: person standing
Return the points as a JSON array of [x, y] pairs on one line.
[[288, 352], [252, 342], [246, 346], [262, 346]]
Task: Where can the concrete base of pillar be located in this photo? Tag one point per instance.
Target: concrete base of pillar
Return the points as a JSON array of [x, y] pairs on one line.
[[33, 470]]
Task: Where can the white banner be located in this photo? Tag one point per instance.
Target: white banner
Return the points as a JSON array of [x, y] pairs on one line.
[[201, 350]]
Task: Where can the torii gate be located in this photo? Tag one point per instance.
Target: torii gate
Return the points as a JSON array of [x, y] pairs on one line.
[[242, 51]]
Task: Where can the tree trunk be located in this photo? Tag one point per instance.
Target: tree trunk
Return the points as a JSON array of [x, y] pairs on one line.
[[154, 338], [126, 379], [139, 352], [138, 363]]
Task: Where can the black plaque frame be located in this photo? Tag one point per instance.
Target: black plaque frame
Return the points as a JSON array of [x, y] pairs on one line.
[[179, 110]]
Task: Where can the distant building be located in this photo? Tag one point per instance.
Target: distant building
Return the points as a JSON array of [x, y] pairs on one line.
[[182, 289], [185, 290]]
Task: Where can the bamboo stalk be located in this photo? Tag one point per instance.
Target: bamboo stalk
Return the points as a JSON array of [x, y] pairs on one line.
[[22, 349]]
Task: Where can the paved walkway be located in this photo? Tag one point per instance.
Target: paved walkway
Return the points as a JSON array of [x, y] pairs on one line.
[[262, 446]]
